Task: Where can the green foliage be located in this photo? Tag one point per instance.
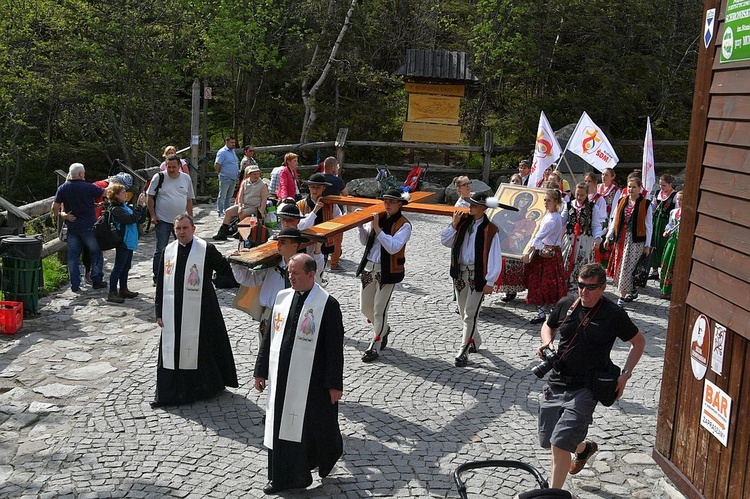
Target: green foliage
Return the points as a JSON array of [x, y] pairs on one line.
[[94, 80]]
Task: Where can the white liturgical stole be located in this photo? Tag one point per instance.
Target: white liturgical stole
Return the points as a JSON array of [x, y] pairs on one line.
[[190, 315], [301, 362]]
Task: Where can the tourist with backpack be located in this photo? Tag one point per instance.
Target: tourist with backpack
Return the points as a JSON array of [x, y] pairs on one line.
[[126, 219], [170, 194]]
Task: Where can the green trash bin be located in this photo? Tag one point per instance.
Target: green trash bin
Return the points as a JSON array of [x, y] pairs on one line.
[[22, 270]]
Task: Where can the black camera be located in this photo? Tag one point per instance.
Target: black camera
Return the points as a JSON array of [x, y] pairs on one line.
[[551, 360]]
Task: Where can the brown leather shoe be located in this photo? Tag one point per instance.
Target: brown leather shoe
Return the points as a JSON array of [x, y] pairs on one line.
[[579, 462]]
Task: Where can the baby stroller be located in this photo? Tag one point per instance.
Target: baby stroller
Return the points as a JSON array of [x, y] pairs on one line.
[[544, 492]]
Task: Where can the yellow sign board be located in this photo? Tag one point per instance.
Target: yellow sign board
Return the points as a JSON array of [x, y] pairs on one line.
[[431, 133], [433, 109]]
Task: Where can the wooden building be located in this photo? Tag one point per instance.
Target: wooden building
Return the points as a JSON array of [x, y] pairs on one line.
[[703, 434], [435, 81]]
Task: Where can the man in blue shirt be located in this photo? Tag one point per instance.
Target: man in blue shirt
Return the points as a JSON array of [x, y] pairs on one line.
[[77, 197], [227, 167]]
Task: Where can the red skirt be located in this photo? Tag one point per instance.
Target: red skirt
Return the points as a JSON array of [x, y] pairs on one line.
[[545, 280]]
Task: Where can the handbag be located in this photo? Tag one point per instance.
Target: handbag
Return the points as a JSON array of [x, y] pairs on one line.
[[604, 384], [642, 270]]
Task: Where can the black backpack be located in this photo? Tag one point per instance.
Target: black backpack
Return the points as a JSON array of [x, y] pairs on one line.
[[107, 235]]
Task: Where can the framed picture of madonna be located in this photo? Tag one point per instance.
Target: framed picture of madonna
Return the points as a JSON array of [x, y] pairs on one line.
[[520, 226]]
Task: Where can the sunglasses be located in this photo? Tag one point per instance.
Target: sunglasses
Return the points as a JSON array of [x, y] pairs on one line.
[[590, 287]]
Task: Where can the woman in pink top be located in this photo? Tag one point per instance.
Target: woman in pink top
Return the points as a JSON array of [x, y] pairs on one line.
[[169, 151], [288, 178]]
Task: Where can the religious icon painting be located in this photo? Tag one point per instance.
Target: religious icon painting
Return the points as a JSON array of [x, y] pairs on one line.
[[520, 226]]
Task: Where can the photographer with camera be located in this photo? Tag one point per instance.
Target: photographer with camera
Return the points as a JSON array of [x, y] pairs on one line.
[[582, 372]]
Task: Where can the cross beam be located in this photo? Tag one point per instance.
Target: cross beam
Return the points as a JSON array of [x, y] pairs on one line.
[[266, 255]]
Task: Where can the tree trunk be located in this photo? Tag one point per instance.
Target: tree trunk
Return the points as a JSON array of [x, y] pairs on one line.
[[309, 97]]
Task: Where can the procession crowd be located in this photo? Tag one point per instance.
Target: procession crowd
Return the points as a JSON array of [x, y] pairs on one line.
[[562, 258]]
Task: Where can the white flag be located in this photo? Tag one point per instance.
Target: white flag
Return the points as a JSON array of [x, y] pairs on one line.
[[589, 142], [649, 176], [546, 151]]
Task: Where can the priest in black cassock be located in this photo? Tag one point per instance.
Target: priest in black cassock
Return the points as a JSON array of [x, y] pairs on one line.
[[303, 361], [195, 356]]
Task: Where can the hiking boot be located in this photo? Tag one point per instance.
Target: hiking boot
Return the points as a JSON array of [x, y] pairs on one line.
[[580, 460], [370, 355], [462, 360], [222, 234], [114, 297], [126, 293], [99, 285]]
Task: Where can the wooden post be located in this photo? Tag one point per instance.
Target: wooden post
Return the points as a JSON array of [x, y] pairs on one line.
[[341, 145], [487, 151], [195, 129]]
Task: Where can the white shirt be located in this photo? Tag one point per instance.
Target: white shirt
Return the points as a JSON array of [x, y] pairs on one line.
[[466, 253], [172, 197], [391, 244], [551, 229]]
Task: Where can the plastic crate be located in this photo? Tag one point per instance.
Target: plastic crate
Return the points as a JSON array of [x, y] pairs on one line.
[[11, 317]]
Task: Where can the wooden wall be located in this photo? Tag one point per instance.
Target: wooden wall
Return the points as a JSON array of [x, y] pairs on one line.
[[712, 278]]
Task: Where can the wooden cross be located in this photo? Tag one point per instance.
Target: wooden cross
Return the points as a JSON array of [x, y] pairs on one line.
[[266, 255]]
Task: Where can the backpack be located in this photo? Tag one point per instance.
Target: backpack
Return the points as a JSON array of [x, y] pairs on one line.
[[158, 186], [386, 180], [107, 235], [415, 178]]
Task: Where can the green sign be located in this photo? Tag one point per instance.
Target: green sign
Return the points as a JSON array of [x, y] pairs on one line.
[[735, 44]]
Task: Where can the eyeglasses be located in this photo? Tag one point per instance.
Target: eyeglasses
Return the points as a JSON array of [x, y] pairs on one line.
[[463, 185], [590, 287]]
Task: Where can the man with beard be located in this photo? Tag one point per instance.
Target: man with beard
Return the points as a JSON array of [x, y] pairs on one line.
[[382, 266], [303, 360]]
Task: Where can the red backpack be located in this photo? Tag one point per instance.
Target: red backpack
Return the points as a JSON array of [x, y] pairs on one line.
[[415, 178]]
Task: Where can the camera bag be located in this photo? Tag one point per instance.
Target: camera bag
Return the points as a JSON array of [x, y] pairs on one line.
[[604, 384]]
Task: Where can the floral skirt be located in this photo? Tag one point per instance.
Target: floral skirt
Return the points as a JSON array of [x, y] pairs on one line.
[[511, 278], [577, 252], [545, 280]]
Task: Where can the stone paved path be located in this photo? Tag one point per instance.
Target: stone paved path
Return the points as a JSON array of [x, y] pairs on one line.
[[75, 385]]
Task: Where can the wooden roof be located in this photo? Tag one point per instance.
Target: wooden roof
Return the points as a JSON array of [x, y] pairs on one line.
[[437, 65]]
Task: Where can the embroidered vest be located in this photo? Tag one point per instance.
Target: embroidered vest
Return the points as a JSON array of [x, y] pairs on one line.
[[482, 242], [391, 266], [638, 218], [582, 218], [664, 207]]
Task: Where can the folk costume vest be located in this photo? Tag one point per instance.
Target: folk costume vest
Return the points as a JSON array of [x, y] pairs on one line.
[[190, 315], [664, 206], [391, 266], [637, 219], [579, 221], [482, 242], [300, 365], [306, 206]]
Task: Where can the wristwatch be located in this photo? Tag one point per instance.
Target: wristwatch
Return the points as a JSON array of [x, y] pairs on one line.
[[627, 373]]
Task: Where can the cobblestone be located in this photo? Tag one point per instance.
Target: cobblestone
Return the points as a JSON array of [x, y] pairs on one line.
[[408, 419]]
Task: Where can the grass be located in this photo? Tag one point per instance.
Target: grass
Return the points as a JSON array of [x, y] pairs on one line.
[[55, 274]]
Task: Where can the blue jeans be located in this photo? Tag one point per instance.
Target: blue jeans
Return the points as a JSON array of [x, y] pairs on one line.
[[226, 189], [119, 275], [162, 230], [77, 239]]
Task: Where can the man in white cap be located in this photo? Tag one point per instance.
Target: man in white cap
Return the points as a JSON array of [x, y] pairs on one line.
[[476, 262], [382, 266]]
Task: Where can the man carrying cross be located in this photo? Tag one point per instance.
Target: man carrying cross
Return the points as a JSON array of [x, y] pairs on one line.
[[476, 262], [382, 266]]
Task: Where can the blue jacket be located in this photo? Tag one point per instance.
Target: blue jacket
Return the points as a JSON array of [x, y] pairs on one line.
[[128, 217]]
